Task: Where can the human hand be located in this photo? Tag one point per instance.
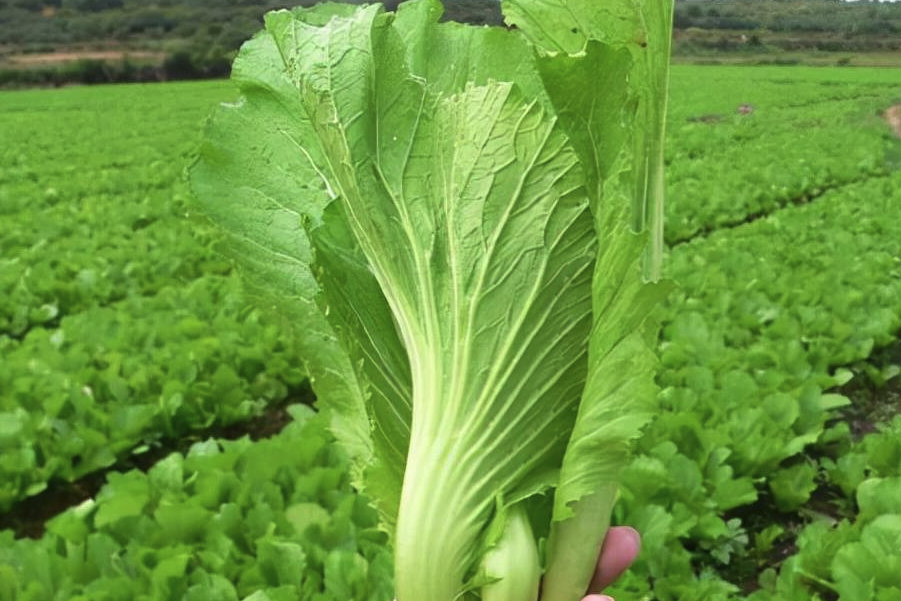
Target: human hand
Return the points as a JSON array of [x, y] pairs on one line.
[[620, 549]]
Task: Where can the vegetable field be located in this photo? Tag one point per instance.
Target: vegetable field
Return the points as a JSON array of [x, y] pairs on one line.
[[159, 440]]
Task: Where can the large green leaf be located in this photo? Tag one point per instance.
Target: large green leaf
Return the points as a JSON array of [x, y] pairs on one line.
[[590, 95], [567, 26], [617, 402], [449, 56], [589, 53], [362, 319], [504, 346], [620, 390], [456, 256], [644, 27], [257, 178], [472, 214]]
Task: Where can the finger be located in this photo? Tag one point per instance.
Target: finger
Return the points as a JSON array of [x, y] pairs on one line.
[[620, 549], [598, 598]]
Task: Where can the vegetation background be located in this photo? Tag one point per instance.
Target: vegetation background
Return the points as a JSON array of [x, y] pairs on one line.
[[132, 369], [57, 42]]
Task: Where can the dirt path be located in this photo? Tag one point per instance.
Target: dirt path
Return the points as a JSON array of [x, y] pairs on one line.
[[55, 58], [893, 118]]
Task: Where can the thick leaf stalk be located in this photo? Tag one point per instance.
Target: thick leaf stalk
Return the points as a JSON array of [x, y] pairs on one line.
[[575, 544], [513, 564]]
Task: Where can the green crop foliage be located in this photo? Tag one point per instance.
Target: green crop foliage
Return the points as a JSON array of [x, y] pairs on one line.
[[751, 474]]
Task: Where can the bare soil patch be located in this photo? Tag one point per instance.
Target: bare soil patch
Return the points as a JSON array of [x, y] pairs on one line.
[[874, 403], [893, 118], [44, 59]]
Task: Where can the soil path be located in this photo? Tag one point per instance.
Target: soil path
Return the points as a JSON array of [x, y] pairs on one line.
[[54, 58], [893, 118]]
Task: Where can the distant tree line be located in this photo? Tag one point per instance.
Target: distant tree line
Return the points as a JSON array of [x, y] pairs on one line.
[[46, 24], [178, 66], [199, 38], [828, 16], [707, 27]]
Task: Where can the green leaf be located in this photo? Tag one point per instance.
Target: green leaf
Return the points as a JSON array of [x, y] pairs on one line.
[[125, 495], [878, 496], [345, 575], [567, 26], [617, 402], [217, 587], [167, 476], [792, 486], [620, 390], [450, 56], [589, 93], [362, 318], [304, 515], [872, 562], [9, 584], [261, 203], [11, 426], [561, 27], [456, 327], [72, 525], [182, 523], [281, 562], [834, 401], [505, 205]]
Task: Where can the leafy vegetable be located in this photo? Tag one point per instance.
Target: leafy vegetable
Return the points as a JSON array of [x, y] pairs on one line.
[[79, 397], [274, 520], [853, 560], [120, 328], [452, 233]]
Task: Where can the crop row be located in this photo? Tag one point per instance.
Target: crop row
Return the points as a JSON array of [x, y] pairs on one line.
[[75, 256], [119, 327], [722, 170], [65, 145], [93, 220], [274, 520], [136, 372], [771, 88], [855, 558], [752, 341]]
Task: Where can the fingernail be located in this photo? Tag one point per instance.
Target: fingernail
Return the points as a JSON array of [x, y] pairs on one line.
[[636, 538]]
